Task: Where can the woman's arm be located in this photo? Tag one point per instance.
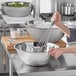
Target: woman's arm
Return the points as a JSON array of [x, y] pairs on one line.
[[63, 28], [71, 33], [59, 51], [71, 49], [57, 19]]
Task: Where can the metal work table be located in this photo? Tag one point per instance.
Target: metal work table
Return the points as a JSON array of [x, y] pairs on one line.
[[53, 68]]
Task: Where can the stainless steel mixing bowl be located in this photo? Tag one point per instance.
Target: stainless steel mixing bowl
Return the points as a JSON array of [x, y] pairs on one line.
[[38, 31], [34, 58], [16, 11]]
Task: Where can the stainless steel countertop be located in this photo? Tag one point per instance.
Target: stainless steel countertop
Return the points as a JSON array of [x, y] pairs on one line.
[[56, 67], [54, 64], [52, 73]]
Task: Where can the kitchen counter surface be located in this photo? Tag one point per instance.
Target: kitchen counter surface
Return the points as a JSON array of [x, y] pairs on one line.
[[10, 46], [54, 64], [56, 67], [52, 73]]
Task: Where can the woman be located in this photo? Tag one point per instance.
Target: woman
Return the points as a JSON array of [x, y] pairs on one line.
[[71, 35]]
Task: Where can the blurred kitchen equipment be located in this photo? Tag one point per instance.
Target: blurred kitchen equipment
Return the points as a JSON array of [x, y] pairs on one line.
[[51, 8], [36, 8], [34, 58], [67, 9], [47, 11], [17, 9], [37, 31], [46, 16], [14, 32]]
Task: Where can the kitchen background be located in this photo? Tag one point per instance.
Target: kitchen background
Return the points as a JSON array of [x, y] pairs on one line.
[[6, 30]]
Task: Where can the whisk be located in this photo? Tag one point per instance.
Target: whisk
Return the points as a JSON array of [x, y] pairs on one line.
[[44, 39]]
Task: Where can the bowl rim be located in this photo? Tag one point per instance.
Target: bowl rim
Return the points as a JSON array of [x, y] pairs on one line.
[[35, 26], [3, 4], [15, 7], [32, 52], [40, 28]]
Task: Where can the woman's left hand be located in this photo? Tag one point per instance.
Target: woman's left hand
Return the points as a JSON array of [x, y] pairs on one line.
[[56, 52]]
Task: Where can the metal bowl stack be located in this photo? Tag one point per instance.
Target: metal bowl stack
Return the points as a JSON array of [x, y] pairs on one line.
[[17, 9]]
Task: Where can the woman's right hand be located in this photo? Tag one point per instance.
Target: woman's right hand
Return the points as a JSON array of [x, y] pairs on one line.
[[56, 18]]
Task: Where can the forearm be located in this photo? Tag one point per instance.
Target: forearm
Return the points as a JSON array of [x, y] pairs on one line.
[[63, 28], [71, 49]]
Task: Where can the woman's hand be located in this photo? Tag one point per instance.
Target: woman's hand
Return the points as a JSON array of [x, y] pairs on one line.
[[56, 18], [56, 52]]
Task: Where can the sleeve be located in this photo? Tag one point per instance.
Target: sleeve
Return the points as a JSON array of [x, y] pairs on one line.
[[72, 35]]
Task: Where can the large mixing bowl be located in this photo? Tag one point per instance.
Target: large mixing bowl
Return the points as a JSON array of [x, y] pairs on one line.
[[40, 31], [34, 58], [17, 9]]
